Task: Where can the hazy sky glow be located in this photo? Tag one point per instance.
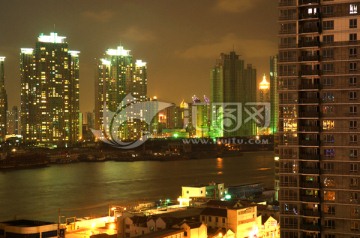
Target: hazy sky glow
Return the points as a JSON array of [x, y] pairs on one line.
[[179, 40]]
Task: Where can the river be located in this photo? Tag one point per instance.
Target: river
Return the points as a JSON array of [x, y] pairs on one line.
[[86, 189]]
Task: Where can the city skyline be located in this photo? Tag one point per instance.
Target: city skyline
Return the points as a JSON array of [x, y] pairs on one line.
[[180, 50]]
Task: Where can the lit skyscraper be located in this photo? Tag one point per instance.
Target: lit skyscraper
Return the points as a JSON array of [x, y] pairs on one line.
[[318, 72], [13, 119], [232, 83], [3, 100], [118, 75], [264, 97], [50, 92], [274, 95]]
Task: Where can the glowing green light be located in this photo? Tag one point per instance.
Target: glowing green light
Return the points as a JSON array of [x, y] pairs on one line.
[[176, 135], [227, 196]]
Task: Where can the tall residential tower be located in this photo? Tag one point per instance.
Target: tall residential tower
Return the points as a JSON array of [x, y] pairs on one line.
[[50, 92], [118, 76], [232, 86], [3, 100], [319, 140]]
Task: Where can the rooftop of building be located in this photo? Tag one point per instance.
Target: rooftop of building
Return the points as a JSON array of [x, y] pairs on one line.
[[140, 220], [191, 224], [232, 204], [187, 214], [26, 223], [162, 233], [212, 211], [202, 185]]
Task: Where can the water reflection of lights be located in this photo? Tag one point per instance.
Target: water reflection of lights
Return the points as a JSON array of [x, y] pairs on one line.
[[219, 164]]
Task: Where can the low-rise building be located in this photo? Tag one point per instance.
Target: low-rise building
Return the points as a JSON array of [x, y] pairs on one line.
[[237, 219], [30, 228], [163, 225], [212, 190]]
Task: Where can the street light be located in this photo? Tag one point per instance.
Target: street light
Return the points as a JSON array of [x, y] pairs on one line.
[[115, 208]]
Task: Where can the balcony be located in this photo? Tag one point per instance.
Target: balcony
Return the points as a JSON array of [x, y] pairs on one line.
[[309, 128], [309, 86], [306, 2], [286, 170], [310, 227], [309, 114], [309, 72], [309, 58], [308, 16], [309, 142], [309, 157], [310, 199], [288, 31], [309, 184], [288, 45], [287, 198], [309, 44], [314, 29], [310, 213], [309, 100], [285, 3], [288, 59], [289, 184], [310, 171]]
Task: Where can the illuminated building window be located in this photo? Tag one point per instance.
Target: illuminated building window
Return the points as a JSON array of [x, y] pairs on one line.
[[353, 9], [329, 195], [328, 124], [329, 152], [329, 182], [328, 209], [328, 97]]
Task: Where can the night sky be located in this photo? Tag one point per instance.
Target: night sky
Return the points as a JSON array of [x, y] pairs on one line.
[[179, 39]]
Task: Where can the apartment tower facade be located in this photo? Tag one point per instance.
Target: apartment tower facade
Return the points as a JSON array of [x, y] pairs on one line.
[[118, 75], [3, 100], [50, 93], [319, 140], [232, 82]]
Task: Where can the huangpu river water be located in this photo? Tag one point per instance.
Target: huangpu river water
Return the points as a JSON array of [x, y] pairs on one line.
[[86, 189]]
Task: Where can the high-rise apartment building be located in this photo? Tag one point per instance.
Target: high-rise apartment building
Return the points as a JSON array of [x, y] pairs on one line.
[[50, 92], [232, 86], [118, 76], [319, 79], [274, 95], [13, 121], [3, 100]]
